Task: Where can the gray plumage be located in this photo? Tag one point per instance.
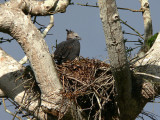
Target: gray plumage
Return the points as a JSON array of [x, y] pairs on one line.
[[69, 49]]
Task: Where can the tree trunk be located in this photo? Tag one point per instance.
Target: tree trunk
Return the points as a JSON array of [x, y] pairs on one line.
[[117, 54]]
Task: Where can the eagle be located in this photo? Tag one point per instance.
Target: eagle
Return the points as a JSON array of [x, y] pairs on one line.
[[69, 49]]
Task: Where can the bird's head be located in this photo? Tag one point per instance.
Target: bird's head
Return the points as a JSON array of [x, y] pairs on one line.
[[72, 35]]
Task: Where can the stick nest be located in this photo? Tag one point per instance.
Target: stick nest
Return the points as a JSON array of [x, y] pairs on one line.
[[89, 83]]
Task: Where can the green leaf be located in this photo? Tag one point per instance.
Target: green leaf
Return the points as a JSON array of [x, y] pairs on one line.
[[151, 40]]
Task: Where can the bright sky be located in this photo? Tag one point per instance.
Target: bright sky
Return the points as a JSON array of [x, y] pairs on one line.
[[86, 22]]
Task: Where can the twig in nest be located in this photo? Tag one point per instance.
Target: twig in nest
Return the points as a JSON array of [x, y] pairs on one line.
[[14, 115]]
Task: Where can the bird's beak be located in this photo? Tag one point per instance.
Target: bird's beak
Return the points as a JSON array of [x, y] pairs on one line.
[[79, 38]]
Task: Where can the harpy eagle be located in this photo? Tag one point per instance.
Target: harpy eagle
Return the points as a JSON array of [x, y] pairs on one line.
[[69, 49]]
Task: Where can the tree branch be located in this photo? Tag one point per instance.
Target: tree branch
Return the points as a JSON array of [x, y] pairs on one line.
[[51, 24], [31, 40], [87, 5], [37, 8], [132, 29], [147, 26], [9, 72], [151, 62], [130, 9]]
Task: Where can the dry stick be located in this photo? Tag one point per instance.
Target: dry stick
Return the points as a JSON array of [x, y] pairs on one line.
[[2, 40], [87, 5], [77, 80], [130, 33], [51, 24], [131, 9], [91, 99], [88, 85], [19, 108], [10, 111], [100, 107], [132, 41], [132, 29], [34, 20], [141, 10]]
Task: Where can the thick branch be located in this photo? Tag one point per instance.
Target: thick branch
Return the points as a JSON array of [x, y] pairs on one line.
[[31, 40], [51, 24], [148, 72], [149, 66], [34, 7], [13, 87], [116, 50], [147, 26]]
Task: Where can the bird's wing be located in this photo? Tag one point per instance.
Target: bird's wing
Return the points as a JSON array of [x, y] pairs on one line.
[[75, 50], [68, 49], [63, 50], [59, 50]]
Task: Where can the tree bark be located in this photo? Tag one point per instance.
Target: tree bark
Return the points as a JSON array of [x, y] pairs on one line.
[[12, 85], [36, 49], [147, 26], [39, 8], [149, 65], [20, 27], [117, 54]]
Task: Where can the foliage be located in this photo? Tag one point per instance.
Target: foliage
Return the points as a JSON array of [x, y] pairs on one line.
[[151, 40]]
